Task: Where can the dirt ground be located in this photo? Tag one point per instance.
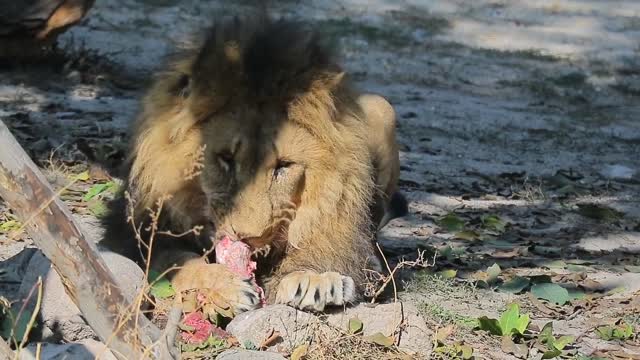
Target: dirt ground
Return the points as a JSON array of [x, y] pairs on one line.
[[519, 130]]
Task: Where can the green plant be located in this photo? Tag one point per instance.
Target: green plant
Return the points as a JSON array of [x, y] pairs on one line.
[[619, 331], [510, 323], [552, 346]]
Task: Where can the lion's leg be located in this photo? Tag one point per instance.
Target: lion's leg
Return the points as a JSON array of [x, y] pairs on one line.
[[317, 276], [214, 280], [309, 290], [382, 143]]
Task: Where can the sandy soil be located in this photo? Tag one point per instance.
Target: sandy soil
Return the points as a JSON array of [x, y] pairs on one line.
[[526, 111]]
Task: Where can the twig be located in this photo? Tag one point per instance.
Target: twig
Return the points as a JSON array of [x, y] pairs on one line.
[[166, 341], [23, 307], [420, 262], [270, 339], [32, 320], [391, 276]]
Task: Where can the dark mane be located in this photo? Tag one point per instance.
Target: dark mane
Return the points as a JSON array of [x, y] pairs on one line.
[[262, 59]]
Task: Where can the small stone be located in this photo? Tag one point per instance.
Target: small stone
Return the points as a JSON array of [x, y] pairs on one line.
[[241, 354], [387, 319], [295, 327], [255, 326]]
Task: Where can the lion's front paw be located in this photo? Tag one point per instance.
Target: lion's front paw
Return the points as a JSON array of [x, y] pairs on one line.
[[308, 290], [216, 280]]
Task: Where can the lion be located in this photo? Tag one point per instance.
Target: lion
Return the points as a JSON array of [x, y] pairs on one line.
[[293, 161]]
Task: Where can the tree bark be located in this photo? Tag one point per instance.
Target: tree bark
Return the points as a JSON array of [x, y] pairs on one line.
[[86, 278]]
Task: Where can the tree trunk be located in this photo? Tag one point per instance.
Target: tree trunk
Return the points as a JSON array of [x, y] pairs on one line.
[[86, 278]]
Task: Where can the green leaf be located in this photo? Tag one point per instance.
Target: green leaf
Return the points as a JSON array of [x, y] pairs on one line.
[[447, 274], [380, 339], [97, 189], [493, 272], [554, 346], [249, 345], [550, 354], [511, 322], [355, 325], [515, 285], [451, 222], [10, 225], [160, 287], [623, 331], [11, 326], [553, 293], [468, 235], [546, 334], [563, 341], [599, 212], [605, 332], [490, 325], [446, 251], [575, 294], [493, 223], [83, 176], [466, 352]]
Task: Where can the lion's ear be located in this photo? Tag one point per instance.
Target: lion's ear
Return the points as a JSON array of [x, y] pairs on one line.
[[336, 79], [329, 80]]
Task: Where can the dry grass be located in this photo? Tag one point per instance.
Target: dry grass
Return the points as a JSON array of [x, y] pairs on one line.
[[351, 348], [325, 342]]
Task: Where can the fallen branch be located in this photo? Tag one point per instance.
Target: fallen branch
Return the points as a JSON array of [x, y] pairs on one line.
[[84, 274]]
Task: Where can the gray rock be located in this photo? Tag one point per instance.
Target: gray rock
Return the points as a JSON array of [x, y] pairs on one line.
[[295, 327], [86, 349], [60, 317], [401, 318], [240, 354]]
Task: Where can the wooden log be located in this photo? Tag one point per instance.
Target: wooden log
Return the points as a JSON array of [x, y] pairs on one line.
[[86, 278]]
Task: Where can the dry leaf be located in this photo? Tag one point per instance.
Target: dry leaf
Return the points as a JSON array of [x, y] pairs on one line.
[[299, 352], [519, 350], [444, 333], [270, 339], [380, 339]]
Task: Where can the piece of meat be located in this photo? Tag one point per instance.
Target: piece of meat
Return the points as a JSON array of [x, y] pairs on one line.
[[236, 255], [202, 328]]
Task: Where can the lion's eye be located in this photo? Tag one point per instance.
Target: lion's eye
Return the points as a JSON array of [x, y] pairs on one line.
[[281, 168], [225, 158]]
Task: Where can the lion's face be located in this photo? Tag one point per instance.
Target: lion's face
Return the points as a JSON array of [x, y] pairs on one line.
[[256, 163]]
